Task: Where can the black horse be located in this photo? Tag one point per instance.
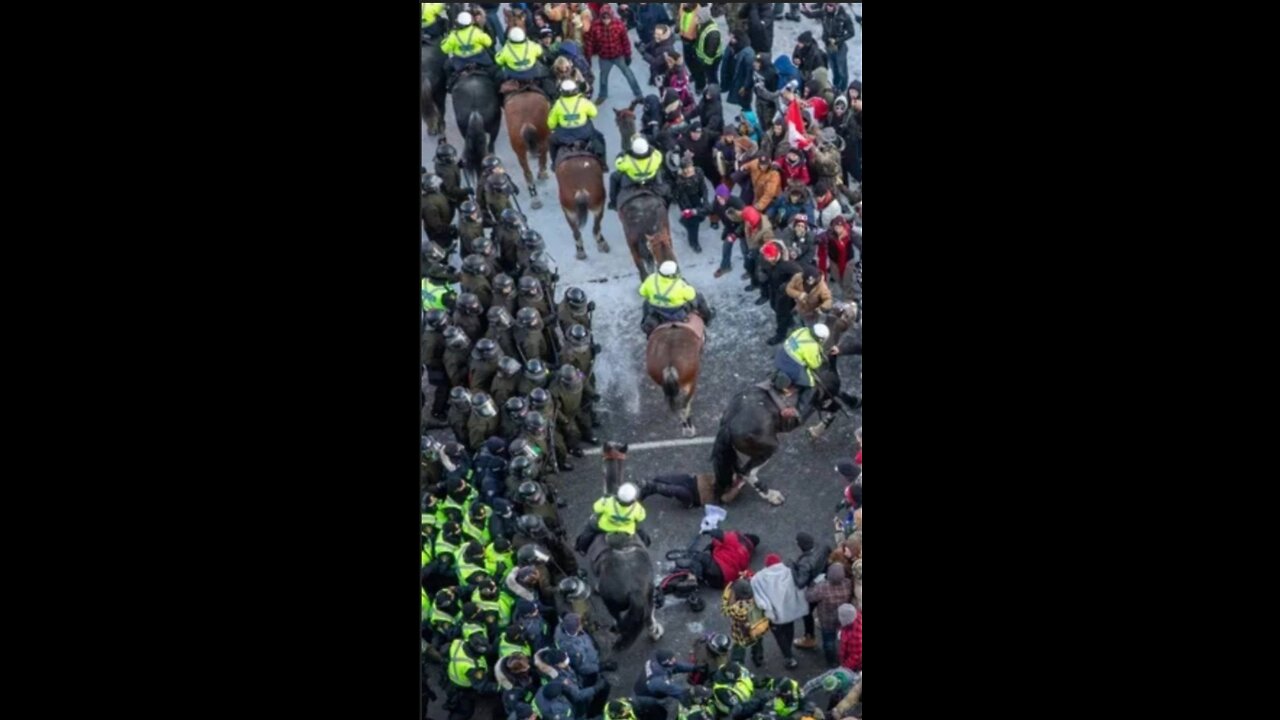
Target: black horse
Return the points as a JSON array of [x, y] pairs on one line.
[[749, 430], [622, 568], [479, 114], [433, 88]]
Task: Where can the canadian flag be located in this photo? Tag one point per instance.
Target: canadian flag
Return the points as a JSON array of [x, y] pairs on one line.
[[795, 127]]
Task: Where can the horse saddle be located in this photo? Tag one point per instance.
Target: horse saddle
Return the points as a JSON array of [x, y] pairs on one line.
[[773, 394], [692, 323], [631, 192], [513, 87], [577, 148], [620, 542]]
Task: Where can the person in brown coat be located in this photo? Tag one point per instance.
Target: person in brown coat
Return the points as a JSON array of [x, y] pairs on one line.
[[810, 293], [766, 182]]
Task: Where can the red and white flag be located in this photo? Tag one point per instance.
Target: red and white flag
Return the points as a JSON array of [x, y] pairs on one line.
[[795, 127]]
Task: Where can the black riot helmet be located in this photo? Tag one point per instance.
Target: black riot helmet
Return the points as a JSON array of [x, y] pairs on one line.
[[535, 371], [531, 240], [503, 284], [508, 366], [530, 287], [578, 335], [482, 405], [484, 247], [499, 317], [535, 422], [528, 319], [486, 349], [469, 304], [539, 400], [569, 377], [474, 265], [460, 397], [437, 319], [516, 407], [510, 216], [455, 338], [577, 298]]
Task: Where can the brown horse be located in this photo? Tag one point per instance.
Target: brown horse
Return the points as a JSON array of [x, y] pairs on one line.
[[626, 121], [516, 17], [581, 181], [673, 359], [527, 128], [644, 216]]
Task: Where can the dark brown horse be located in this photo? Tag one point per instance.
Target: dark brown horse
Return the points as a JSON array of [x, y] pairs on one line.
[[527, 128], [433, 88], [644, 217], [673, 359], [581, 181]]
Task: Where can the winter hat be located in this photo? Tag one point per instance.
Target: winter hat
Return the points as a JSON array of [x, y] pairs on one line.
[[571, 623], [805, 541], [554, 690], [555, 658], [722, 190], [806, 37], [835, 573], [770, 251], [525, 608], [664, 656], [751, 216], [847, 614], [847, 469], [523, 711], [842, 102], [772, 559]]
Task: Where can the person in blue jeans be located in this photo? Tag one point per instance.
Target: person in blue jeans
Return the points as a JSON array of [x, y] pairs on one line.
[[837, 30], [733, 229], [493, 23]]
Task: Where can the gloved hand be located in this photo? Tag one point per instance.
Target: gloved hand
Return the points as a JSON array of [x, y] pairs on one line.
[[595, 349], [591, 306], [628, 59], [731, 238], [686, 214]]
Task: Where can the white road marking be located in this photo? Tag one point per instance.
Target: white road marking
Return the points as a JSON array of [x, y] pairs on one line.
[[658, 444]]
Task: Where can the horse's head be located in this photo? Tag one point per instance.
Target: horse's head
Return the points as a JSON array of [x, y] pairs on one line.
[[615, 451], [660, 246], [626, 121]]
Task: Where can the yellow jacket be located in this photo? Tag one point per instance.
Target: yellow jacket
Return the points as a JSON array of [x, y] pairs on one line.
[[616, 517], [431, 12], [667, 292], [571, 111], [640, 170], [519, 56], [466, 42]]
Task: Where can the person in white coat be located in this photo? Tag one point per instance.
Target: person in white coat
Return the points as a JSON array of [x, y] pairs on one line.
[[776, 594]]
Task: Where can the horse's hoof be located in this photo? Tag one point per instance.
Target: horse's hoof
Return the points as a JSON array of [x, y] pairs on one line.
[[581, 255], [543, 176], [775, 498], [604, 246], [689, 431], [536, 204], [815, 432], [656, 632]]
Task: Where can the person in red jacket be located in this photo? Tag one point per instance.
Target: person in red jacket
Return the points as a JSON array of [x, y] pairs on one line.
[[728, 558], [608, 40], [794, 166], [850, 637], [837, 244]]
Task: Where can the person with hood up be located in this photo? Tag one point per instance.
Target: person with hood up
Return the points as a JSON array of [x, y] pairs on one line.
[[835, 251], [700, 144], [808, 56], [661, 42], [708, 51], [780, 273], [711, 112], [827, 597], [741, 80], [850, 637], [776, 594], [765, 82], [797, 201], [806, 568], [786, 70], [760, 26]]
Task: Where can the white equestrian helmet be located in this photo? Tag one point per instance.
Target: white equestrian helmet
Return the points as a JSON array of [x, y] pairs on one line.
[[667, 269], [464, 19], [628, 493], [569, 87], [639, 146], [516, 35], [821, 331]]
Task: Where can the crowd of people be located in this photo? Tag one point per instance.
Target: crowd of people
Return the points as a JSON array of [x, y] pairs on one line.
[[510, 368]]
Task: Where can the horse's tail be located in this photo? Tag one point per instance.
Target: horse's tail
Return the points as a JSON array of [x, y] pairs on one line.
[[474, 147], [671, 386], [724, 458], [582, 201], [530, 136]]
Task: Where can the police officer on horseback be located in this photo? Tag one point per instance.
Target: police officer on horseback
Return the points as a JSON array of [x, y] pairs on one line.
[[641, 166], [618, 513], [466, 45], [521, 59], [668, 298], [797, 359], [570, 122]]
